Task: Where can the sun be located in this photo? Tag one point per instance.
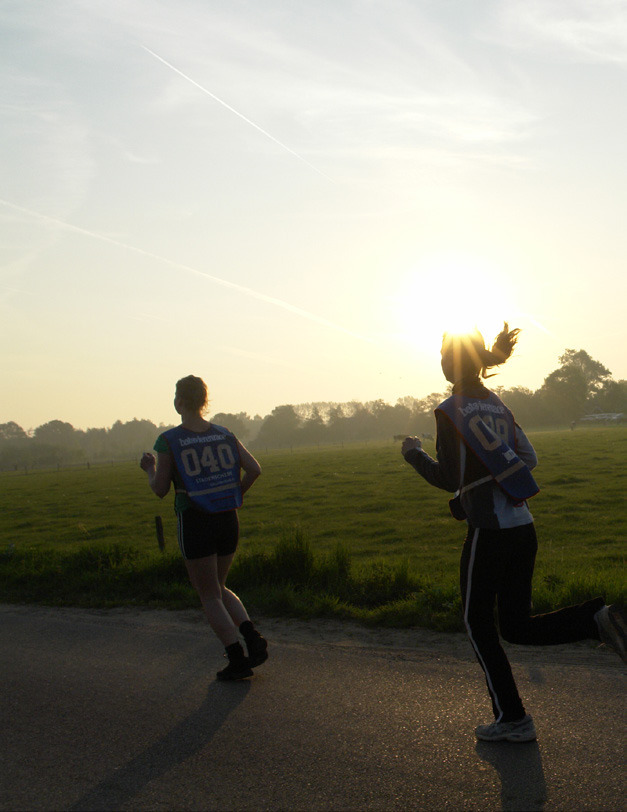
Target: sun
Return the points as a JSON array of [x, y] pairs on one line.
[[452, 294]]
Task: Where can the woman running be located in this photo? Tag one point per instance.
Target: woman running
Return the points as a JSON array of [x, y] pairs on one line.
[[205, 462], [484, 457]]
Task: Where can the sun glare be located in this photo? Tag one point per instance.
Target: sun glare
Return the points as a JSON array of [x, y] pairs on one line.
[[451, 295]]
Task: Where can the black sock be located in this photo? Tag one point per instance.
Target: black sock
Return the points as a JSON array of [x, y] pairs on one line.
[[234, 652], [248, 630]]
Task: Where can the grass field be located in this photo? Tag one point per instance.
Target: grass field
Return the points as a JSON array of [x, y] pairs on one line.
[[351, 532]]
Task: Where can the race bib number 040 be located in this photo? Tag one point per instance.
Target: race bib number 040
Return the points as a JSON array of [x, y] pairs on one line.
[[213, 461]]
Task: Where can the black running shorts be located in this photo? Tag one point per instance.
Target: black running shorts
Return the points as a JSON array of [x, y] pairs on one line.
[[201, 534]]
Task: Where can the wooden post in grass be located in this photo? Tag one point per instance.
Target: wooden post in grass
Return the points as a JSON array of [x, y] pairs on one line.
[[159, 530]]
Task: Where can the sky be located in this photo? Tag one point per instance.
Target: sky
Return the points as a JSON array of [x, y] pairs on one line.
[[294, 200]]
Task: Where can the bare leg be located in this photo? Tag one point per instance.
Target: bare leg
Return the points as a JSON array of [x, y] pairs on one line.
[[232, 603], [203, 574]]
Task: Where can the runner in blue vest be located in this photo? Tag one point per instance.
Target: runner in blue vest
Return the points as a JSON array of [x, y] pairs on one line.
[[205, 462], [485, 459]]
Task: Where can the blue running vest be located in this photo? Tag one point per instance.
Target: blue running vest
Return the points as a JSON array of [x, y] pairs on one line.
[[209, 466], [487, 427]]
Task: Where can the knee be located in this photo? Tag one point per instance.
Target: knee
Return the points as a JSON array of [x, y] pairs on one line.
[[206, 588], [514, 630], [209, 595], [225, 592], [481, 630]]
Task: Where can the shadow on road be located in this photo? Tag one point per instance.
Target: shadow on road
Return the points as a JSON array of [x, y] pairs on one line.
[[519, 768], [188, 737]]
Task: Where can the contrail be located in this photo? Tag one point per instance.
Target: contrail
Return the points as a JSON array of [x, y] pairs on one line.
[[255, 294], [233, 110]]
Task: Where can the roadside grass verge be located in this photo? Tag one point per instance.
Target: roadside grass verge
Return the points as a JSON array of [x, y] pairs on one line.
[[289, 580]]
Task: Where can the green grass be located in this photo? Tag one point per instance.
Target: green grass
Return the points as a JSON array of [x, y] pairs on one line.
[[347, 532]]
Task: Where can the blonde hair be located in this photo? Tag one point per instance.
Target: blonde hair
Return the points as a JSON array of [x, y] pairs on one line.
[[470, 356], [192, 391]]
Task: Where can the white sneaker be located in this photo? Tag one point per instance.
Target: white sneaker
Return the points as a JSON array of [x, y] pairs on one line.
[[521, 731], [612, 624]]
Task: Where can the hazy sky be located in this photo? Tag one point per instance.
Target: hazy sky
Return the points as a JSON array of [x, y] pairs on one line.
[[294, 199]]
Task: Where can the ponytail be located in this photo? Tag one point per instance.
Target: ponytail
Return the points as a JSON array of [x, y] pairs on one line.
[[501, 350]]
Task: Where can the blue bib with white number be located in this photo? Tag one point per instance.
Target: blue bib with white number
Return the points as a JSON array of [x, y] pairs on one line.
[[209, 466], [487, 427]]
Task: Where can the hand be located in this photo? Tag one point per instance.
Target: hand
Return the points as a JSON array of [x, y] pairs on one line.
[[147, 461], [409, 443]]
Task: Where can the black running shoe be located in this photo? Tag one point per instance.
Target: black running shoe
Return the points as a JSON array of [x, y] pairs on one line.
[[257, 650], [233, 671]]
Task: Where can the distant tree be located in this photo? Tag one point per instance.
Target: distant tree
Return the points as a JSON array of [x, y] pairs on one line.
[[360, 423], [409, 402], [56, 432], [280, 427], [335, 422], [130, 439], [565, 396], [94, 443], [15, 446], [255, 425], [11, 431], [432, 401], [386, 419], [313, 428], [568, 389], [611, 397], [240, 424], [400, 423], [336, 412], [55, 442], [305, 410], [422, 419], [593, 372], [524, 404]]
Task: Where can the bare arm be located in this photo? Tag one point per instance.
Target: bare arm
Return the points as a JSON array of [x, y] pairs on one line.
[[159, 472], [250, 466]]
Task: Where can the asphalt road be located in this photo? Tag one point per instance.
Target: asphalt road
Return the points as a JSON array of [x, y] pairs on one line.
[[120, 711]]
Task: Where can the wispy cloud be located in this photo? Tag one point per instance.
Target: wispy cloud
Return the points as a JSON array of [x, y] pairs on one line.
[[591, 31], [243, 289], [130, 155], [263, 358], [51, 162], [318, 83], [234, 111], [388, 78]]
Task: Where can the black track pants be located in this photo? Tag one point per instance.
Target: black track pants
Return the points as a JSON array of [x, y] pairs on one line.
[[496, 569]]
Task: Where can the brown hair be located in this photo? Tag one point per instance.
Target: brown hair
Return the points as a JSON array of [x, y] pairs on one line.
[[469, 355], [192, 391]]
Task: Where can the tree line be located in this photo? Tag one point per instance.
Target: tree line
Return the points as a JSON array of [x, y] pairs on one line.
[[579, 386]]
